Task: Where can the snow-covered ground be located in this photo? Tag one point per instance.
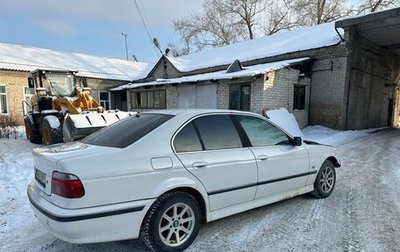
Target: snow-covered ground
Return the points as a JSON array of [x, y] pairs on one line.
[[362, 214]]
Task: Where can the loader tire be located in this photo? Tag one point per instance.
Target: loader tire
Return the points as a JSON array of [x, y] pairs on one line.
[[67, 131], [51, 130], [32, 131]]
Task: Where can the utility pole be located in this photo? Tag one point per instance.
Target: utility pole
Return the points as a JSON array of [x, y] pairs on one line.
[[126, 44]]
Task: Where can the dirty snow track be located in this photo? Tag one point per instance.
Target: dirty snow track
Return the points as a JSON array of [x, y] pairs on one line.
[[362, 214]]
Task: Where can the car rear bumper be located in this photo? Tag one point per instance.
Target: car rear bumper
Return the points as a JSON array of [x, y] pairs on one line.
[[87, 225]]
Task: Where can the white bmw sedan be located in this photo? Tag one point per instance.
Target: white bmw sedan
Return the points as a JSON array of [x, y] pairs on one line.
[[159, 175]]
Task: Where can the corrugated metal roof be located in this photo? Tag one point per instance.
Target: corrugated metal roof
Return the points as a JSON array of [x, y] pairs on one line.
[[24, 58], [219, 75]]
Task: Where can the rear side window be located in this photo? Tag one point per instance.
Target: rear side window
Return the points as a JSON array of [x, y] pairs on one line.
[[218, 132], [187, 140], [261, 132], [127, 131]]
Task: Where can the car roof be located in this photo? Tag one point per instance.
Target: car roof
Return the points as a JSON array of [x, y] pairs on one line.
[[194, 112], [185, 114]]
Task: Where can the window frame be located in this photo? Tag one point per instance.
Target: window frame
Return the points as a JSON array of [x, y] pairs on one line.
[[27, 97], [297, 99], [242, 135], [240, 85], [108, 101], [162, 99], [6, 99], [247, 139], [190, 122]]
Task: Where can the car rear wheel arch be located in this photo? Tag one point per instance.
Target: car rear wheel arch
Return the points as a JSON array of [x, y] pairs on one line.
[[199, 198], [196, 194]]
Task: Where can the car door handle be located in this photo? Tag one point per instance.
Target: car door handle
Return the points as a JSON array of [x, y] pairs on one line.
[[199, 165], [262, 157]]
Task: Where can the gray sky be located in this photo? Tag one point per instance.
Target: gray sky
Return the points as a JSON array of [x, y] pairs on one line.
[[92, 26]]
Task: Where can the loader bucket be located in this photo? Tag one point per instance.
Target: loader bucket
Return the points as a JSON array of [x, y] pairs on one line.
[[79, 126]]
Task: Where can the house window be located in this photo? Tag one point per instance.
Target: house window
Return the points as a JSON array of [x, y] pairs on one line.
[[299, 97], [239, 97], [149, 99], [3, 100], [105, 99], [28, 93]]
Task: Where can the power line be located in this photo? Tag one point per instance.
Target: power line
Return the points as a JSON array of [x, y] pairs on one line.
[[145, 17], [145, 26]]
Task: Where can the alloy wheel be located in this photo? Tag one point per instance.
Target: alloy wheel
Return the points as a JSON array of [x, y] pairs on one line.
[[327, 179], [176, 224]]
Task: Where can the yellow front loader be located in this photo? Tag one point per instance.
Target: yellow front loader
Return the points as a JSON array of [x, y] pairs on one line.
[[63, 111]]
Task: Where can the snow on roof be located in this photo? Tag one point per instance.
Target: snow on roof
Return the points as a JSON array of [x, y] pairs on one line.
[[219, 75], [24, 58], [279, 43]]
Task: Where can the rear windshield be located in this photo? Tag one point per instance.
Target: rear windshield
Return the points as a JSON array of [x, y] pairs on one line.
[[126, 131]]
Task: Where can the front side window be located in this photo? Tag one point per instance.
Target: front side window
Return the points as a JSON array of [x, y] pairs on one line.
[[239, 97], [154, 99], [3, 100], [59, 84], [217, 132], [299, 97], [261, 132]]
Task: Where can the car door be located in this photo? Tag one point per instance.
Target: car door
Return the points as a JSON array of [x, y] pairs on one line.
[[211, 149], [282, 166]]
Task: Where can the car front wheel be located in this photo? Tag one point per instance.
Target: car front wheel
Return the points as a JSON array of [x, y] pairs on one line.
[[172, 222], [325, 181]]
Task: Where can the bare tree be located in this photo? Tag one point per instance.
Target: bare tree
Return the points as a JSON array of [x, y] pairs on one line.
[[177, 50], [222, 22], [279, 16], [367, 6], [247, 12], [311, 12], [214, 27]]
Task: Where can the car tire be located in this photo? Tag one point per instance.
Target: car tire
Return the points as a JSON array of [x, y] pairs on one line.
[[163, 228], [31, 130], [325, 180], [50, 133]]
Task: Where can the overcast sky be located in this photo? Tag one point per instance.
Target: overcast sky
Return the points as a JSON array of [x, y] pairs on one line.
[[92, 26]]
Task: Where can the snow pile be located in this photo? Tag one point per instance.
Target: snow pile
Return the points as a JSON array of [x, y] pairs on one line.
[[285, 120], [333, 137]]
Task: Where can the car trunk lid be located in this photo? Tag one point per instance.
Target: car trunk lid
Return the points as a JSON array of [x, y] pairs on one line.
[[46, 162]]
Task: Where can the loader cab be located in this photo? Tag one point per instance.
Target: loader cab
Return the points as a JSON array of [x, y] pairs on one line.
[[55, 83]]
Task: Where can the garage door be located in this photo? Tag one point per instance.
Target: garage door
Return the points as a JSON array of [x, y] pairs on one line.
[[193, 96]]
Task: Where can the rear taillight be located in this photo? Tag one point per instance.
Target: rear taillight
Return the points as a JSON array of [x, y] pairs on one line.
[[66, 185]]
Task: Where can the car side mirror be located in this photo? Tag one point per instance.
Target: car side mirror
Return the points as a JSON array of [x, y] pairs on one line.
[[297, 141]]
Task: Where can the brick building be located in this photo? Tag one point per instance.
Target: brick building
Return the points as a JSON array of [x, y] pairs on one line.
[[343, 75], [98, 73], [267, 73]]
